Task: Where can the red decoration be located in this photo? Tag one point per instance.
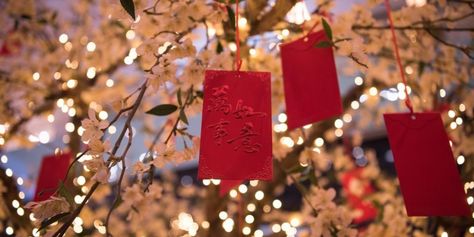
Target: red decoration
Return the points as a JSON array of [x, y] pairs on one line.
[[236, 136], [429, 180], [356, 188], [310, 80], [227, 185], [53, 169]]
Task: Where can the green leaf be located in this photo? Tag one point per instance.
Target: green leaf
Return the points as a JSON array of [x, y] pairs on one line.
[[129, 6], [182, 117], [296, 169], [323, 44], [178, 94], [51, 220], [327, 29], [63, 192], [231, 14], [199, 94], [219, 48], [162, 110]]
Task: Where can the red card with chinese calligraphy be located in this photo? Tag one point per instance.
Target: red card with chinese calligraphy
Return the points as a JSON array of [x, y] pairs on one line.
[[53, 169], [310, 81], [236, 136], [429, 179]]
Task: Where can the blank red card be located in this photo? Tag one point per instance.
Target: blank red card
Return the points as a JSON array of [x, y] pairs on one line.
[[53, 169], [227, 185], [310, 81], [429, 179], [236, 136]]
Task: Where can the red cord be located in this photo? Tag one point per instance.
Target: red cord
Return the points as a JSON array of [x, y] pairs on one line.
[[397, 56], [238, 61]]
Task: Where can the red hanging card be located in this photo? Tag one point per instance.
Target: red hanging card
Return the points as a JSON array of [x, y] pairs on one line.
[[227, 185], [53, 169], [356, 189], [236, 136], [310, 81], [429, 180]]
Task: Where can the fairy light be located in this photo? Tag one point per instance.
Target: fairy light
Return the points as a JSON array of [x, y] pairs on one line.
[[233, 193], [252, 52], [251, 207], [259, 195], [50, 118], [355, 105], [253, 183], [462, 107], [70, 102], [471, 229], [347, 118], [109, 82], [460, 160], [451, 113], [470, 200], [112, 129], [57, 75], [223, 215], [91, 46], [130, 34], [416, 3], [358, 81], [63, 38], [103, 115], [249, 219], [295, 221], [81, 180], [91, 72], [205, 224], [319, 142], [69, 127], [15, 204], [459, 121], [68, 46], [282, 118], [9, 172], [20, 211], [338, 123], [246, 230], [36, 76], [409, 70], [206, 182], [276, 228], [282, 127], [4, 159], [9, 230], [21, 195], [338, 132], [442, 93], [128, 60], [285, 226], [43, 137], [228, 225], [71, 83], [285, 33], [258, 233], [373, 91], [242, 21], [276, 204], [243, 188], [19, 181], [444, 234], [299, 141], [71, 112], [453, 125], [287, 141], [232, 46]]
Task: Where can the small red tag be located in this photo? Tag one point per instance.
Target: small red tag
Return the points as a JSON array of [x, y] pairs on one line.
[[310, 81], [227, 185], [236, 135], [429, 179], [53, 169]]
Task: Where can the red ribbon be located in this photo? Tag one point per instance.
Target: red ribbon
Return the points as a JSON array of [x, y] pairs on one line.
[[238, 61], [397, 56]]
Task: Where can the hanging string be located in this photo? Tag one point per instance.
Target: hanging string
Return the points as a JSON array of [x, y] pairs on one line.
[[238, 61], [397, 56]]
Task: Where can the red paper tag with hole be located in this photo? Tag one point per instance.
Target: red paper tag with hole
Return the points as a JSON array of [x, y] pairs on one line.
[[236, 135], [310, 81], [53, 169], [429, 179]]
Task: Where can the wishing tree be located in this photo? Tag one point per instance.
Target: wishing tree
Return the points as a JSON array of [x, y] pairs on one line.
[[111, 67]]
